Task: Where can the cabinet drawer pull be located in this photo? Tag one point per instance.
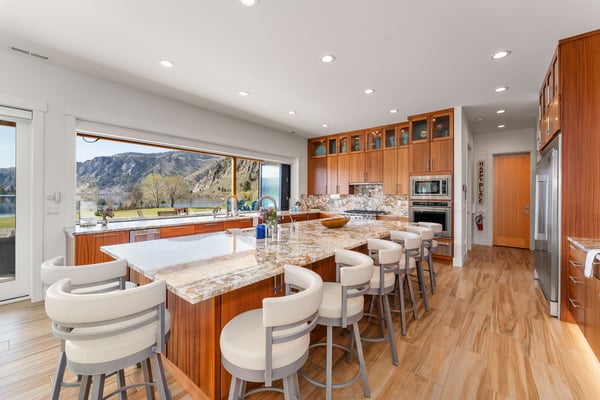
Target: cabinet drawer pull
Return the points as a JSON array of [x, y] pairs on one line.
[[211, 224], [575, 264], [574, 280], [105, 235], [574, 303]]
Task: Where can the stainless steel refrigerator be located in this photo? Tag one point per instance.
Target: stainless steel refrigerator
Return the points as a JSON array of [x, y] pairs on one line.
[[547, 224]]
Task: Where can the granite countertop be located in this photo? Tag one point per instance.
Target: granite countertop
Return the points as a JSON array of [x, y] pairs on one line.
[[199, 267], [592, 249], [159, 222]]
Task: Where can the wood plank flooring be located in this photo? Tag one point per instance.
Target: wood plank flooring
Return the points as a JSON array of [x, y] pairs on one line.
[[488, 335]]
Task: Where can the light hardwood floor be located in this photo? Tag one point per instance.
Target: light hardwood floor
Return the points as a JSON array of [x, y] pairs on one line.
[[488, 335]]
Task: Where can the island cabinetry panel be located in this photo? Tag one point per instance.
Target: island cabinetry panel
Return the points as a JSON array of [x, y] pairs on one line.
[[87, 247], [209, 227], [431, 142], [174, 231]]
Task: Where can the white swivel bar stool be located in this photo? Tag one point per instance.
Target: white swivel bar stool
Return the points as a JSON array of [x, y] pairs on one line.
[[271, 343], [426, 250], [386, 257], [107, 332], [412, 245], [85, 279], [342, 305]]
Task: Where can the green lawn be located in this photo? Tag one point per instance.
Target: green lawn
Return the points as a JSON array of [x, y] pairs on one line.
[[7, 222]]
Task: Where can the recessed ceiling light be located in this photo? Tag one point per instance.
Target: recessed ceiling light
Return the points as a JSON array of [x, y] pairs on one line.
[[500, 54], [500, 111], [369, 91], [394, 111], [244, 93], [501, 126], [479, 119], [167, 64], [328, 58], [501, 89], [249, 3], [325, 125], [292, 112]]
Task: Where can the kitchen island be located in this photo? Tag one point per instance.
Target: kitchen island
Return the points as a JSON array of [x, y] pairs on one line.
[[211, 278]]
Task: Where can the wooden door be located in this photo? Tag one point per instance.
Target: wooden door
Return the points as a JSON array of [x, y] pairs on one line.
[[511, 200], [390, 171], [419, 157], [403, 184], [442, 155], [332, 174], [317, 175]]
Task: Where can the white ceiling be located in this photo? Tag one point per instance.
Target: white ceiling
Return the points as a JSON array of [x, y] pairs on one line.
[[419, 56]]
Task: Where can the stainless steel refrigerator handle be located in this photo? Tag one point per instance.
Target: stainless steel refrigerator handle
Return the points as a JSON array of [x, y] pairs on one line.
[[540, 180]]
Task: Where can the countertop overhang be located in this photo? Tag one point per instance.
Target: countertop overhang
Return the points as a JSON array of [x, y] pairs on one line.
[[199, 267]]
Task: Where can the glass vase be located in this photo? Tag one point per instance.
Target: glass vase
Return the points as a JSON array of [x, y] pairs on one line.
[[272, 230]]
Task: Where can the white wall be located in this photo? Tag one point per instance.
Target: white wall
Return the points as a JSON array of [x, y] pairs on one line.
[[71, 97], [485, 147], [462, 170]]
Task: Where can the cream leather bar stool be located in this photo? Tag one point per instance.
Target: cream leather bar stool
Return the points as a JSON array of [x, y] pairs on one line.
[[272, 342], [415, 253], [107, 332], [342, 305], [85, 279], [426, 250], [386, 256], [411, 244]]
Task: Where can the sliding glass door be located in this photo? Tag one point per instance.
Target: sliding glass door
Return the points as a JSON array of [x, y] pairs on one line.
[[14, 154]]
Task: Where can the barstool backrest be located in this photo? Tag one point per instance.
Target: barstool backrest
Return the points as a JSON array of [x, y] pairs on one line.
[[409, 240], [91, 278], [295, 306], [354, 268], [424, 232], [436, 227], [386, 251]]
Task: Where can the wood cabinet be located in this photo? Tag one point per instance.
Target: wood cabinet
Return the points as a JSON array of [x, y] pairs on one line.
[[395, 160], [576, 284], [549, 104], [87, 247], [174, 231], [238, 223], [209, 227], [431, 142], [317, 166], [374, 155]]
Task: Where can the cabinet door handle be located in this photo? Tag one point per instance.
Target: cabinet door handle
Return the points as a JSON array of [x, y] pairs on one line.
[[575, 264], [574, 280], [574, 303]]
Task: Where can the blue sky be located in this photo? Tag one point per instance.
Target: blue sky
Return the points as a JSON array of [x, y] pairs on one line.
[[7, 146], [103, 147]]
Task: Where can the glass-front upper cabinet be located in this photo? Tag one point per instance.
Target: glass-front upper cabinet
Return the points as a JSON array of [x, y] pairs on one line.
[[332, 146], [317, 148], [374, 139], [403, 135], [343, 145], [390, 139], [419, 130], [441, 126], [357, 142]]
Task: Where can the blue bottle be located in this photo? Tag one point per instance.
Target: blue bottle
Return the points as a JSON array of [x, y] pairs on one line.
[[260, 231]]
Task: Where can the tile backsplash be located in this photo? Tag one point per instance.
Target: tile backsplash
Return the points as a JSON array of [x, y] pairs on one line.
[[365, 197]]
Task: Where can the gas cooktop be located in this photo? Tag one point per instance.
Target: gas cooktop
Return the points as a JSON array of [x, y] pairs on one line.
[[365, 212]]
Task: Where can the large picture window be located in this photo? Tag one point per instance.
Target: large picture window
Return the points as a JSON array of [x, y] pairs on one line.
[[136, 180]]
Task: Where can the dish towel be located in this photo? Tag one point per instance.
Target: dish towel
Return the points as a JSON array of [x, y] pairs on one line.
[[589, 260]]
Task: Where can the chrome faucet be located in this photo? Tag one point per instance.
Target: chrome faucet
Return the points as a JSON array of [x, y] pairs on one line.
[[215, 211], [234, 205], [261, 198]]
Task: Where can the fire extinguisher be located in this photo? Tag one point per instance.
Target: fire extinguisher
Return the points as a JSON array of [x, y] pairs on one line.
[[479, 221]]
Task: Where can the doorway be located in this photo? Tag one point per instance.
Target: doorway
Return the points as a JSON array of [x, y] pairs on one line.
[[511, 200]]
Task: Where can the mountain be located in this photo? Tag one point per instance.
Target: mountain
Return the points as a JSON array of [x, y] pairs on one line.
[[7, 179], [205, 174]]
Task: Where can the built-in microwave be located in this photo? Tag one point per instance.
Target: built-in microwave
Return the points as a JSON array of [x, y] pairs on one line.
[[431, 187]]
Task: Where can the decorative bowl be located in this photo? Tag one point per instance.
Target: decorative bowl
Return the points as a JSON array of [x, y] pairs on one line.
[[336, 222]]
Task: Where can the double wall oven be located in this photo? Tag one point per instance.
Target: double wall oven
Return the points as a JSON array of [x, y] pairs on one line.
[[431, 201]]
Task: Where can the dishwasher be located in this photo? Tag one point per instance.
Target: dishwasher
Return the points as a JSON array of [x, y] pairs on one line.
[[141, 235]]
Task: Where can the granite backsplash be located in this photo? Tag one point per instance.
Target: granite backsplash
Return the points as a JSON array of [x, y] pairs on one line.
[[365, 197]]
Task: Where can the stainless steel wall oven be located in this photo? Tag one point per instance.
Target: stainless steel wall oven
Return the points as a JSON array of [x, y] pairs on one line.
[[433, 211]]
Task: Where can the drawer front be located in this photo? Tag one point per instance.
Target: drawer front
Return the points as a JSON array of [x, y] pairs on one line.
[[241, 223], [208, 227], [576, 257], [174, 231], [576, 292]]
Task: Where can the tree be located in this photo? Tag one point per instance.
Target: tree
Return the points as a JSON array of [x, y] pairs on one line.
[[176, 188], [137, 194], [153, 188]]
